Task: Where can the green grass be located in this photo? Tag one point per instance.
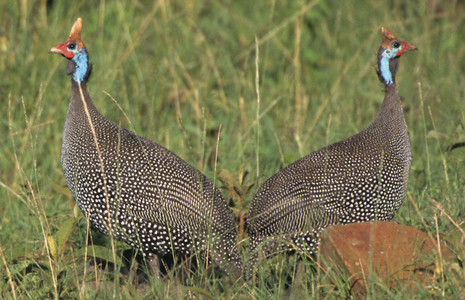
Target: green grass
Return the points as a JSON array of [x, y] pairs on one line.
[[183, 70]]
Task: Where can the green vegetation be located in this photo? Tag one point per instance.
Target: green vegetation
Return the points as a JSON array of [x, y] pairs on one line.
[[184, 73]]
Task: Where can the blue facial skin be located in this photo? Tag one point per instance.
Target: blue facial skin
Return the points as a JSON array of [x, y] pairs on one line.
[[386, 57], [81, 59]]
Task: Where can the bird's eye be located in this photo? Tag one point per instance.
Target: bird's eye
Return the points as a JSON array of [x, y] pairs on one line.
[[395, 44], [72, 46]]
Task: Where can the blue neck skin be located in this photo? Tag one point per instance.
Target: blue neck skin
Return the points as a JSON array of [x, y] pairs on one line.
[[384, 67], [81, 58]]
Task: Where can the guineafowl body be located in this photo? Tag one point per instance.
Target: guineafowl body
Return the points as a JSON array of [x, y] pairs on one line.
[[362, 178], [143, 193]]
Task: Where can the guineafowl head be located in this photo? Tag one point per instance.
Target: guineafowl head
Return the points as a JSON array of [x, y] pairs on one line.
[[388, 55], [75, 51]]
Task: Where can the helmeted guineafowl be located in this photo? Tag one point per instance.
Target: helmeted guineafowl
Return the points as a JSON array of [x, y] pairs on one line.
[[143, 193], [362, 178]]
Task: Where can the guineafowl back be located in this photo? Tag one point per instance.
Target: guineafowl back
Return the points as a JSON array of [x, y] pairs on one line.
[[362, 178], [152, 197]]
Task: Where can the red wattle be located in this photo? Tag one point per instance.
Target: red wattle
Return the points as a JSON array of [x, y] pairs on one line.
[[68, 54]]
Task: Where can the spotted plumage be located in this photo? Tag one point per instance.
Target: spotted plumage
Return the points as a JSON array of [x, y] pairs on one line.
[[144, 194], [362, 178]]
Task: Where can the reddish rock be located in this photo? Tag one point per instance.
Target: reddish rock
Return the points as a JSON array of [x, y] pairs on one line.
[[392, 253]]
